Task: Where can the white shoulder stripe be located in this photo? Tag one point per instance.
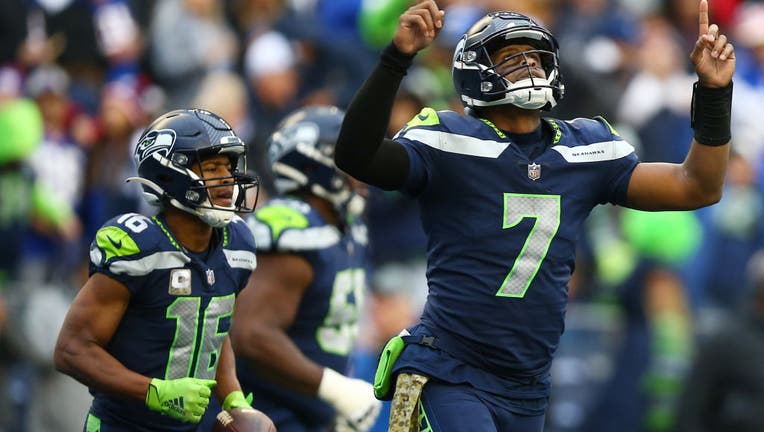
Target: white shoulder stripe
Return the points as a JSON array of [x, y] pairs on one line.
[[147, 264], [309, 238], [261, 232], [596, 152], [454, 143], [241, 259]]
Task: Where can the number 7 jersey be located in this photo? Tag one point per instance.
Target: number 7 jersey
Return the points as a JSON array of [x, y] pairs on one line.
[[502, 214], [180, 305]]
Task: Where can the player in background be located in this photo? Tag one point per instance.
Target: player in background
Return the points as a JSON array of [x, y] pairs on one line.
[[503, 192], [147, 333], [297, 322]]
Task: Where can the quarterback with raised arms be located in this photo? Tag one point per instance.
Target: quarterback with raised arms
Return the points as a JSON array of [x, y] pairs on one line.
[[503, 192]]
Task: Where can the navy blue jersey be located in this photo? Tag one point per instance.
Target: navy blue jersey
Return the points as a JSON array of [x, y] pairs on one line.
[[180, 306], [501, 215], [326, 324]]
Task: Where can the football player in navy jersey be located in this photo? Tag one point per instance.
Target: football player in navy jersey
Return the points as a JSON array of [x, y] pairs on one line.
[[297, 323], [503, 192], [148, 332]]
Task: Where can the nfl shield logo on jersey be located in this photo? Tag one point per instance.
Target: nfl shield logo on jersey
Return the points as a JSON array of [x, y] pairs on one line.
[[210, 276], [534, 171]]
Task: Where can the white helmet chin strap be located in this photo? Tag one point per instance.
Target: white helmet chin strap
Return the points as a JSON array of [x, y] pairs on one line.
[[212, 217], [530, 97], [527, 94]]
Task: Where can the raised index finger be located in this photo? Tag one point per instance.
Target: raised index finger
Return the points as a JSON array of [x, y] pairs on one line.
[[703, 17]]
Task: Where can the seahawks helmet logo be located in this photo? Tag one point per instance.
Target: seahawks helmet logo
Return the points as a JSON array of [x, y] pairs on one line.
[[160, 141], [288, 138]]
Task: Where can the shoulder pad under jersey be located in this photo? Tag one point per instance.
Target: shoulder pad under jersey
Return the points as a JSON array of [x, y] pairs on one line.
[[290, 226]]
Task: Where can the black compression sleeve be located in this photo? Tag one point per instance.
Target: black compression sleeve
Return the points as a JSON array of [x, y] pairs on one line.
[[710, 114], [362, 150]]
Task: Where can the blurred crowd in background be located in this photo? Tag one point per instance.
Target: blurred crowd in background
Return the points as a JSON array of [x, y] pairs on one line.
[[80, 79]]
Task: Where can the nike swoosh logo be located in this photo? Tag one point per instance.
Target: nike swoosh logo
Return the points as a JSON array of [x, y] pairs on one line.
[[423, 117], [116, 244]]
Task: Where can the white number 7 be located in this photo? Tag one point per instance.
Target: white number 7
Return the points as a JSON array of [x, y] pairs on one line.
[[546, 210]]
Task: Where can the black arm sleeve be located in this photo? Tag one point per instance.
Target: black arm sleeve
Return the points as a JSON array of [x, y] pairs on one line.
[[362, 150]]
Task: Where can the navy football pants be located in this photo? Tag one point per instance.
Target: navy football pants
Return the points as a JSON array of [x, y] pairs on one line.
[[459, 408]]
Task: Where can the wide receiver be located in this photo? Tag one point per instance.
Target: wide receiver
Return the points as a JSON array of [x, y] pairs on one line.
[[148, 332]]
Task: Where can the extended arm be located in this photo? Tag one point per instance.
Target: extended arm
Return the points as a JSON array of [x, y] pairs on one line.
[[362, 150], [699, 179]]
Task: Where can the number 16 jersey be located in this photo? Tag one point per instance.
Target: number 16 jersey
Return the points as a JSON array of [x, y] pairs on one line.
[[180, 307]]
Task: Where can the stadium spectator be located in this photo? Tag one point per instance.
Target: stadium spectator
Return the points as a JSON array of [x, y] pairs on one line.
[[273, 75], [122, 114], [27, 205], [189, 39], [59, 163]]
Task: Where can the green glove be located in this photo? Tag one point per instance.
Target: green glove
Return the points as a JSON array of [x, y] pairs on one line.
[[184, 399], [236, 399]]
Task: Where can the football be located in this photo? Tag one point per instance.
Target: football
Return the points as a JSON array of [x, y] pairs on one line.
[[243, 420]]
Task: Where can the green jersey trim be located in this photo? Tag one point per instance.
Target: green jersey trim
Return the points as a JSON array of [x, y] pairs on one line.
[[426, 117], [116, 243], [280, 218]]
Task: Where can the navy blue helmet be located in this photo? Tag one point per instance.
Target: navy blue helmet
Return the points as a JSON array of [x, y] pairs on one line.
[[179, 140], [476, 78], [301, 152]]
